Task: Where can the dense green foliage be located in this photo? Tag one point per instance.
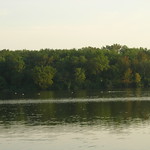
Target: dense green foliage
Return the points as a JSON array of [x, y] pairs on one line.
[[109, 67]]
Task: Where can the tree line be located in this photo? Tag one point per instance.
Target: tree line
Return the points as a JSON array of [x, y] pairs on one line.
[[114, 66]]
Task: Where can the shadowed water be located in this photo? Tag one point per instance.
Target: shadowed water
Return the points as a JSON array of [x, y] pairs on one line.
[[107, 120]]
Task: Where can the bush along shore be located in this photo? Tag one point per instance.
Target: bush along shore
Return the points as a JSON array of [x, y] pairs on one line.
[[112, 66]]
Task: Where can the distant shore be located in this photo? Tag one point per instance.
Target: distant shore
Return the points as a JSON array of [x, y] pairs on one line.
[[111, 67]]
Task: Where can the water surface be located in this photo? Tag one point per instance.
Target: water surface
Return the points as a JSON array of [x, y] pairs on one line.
[[84, 120]]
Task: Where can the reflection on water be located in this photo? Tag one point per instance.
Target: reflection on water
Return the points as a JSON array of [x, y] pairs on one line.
[[111, 112], [76, 94], [109, 121]]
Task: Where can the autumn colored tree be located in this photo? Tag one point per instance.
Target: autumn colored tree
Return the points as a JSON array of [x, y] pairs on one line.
[[137, 79]]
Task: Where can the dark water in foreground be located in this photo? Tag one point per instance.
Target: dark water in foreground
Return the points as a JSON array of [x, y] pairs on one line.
[[97, 120]]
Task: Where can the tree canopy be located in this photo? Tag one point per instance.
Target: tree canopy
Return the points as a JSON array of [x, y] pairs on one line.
[[112, 66]]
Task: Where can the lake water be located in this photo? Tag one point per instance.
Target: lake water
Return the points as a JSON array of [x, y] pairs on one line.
[[84, 120]]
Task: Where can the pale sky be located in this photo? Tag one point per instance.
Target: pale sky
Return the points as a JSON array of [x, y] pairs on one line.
[[36, 24]]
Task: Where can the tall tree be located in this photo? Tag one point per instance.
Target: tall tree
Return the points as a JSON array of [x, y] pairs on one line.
[[43, 76]]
